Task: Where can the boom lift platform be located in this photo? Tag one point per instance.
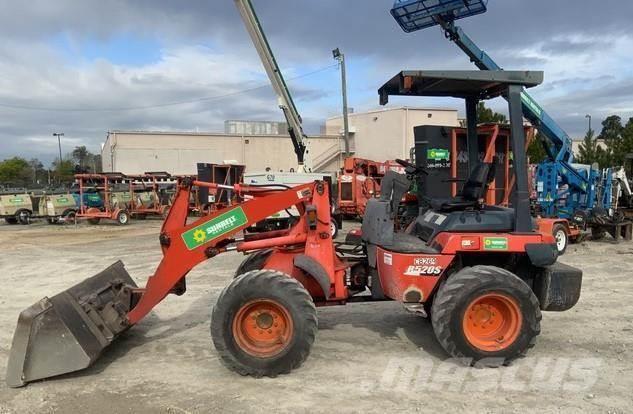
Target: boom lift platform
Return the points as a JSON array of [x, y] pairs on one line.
[[482, 273], [578, 195]]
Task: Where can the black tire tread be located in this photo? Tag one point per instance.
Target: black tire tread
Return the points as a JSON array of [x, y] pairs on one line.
[[446, 303], [273, 281]]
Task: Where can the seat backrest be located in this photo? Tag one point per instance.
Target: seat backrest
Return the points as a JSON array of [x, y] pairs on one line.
[[479, 180], [392, 188]]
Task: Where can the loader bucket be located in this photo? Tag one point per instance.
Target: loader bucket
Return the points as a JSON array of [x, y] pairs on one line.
[[67, 332]]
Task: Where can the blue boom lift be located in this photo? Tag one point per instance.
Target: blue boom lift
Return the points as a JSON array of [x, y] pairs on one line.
[[580, 194]]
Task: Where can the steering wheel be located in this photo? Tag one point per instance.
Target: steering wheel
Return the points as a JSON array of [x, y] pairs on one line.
[[410, 168]]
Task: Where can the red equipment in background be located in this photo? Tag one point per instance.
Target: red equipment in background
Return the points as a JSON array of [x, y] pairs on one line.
[[150, 194], [359, 181], [102, 183], [205, 200], [495, 141]]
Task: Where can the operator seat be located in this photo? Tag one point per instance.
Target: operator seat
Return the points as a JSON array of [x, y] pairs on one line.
[[474, 190]]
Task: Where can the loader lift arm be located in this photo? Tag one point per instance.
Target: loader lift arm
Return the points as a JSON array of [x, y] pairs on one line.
[[80, 322], [286, 103], [186, 245]]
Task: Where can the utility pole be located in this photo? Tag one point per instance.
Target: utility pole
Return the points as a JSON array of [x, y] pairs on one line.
[[340, 57]]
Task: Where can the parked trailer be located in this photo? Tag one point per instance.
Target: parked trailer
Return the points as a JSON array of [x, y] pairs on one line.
[[359, 181], [58, 208], [149, 194], [104, 185], [16, 208]]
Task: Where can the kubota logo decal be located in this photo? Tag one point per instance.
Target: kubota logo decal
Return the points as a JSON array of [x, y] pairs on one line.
[[214, 228], [495, 243]]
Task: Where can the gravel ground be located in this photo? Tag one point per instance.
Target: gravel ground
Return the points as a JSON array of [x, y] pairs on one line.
[[367, 357]]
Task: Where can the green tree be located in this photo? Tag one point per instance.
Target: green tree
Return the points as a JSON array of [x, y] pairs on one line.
[[64, 171], [627, 138], [536, 153], [81, 155], [486, 115], [15, 171], [612, 134], [38, 172], [588, 150]]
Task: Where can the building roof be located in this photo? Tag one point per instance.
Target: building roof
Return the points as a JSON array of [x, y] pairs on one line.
[[398, 108]]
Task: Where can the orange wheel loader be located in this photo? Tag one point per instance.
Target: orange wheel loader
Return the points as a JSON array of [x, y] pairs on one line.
[[481, 273]]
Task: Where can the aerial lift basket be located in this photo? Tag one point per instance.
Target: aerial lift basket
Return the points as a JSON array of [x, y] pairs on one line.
[[68, 332], [414, 15]]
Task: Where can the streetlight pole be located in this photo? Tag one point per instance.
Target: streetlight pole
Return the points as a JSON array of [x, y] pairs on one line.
[[589, 118], [59, 136], [340, 57]]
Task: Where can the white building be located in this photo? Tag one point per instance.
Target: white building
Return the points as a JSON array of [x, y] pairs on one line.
[[379, 135]]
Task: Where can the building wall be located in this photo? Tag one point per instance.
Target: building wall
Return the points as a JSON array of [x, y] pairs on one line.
[[388, 133], [178, 153]]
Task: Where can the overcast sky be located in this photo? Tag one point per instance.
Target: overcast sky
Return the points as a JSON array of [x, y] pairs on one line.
[[84, 67]]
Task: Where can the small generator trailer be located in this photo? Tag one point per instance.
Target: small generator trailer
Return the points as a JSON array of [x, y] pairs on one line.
[[16, 207], [58, 208], [104, 184], [482, 273], [149, 196]]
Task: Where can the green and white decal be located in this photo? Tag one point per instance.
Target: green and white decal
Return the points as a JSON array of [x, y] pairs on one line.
[[214, 228], [495, 243], [529, 102], [16, 200], [435, 154]]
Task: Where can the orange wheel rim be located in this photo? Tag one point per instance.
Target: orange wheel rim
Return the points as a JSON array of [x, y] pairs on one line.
[[492, 322], [262, 328]]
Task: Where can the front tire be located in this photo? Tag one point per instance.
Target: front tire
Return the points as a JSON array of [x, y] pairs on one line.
[[263, 324], [123, 218], [485, 315], [562, 238]]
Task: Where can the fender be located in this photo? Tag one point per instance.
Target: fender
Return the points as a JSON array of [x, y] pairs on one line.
[[315, 270]]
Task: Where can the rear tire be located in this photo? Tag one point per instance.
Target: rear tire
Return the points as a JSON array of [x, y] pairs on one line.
[[11, 220], [597, 233], [263, 324], [94, 221], [485, 315], [254, 261], [562, 238], [24, 217]]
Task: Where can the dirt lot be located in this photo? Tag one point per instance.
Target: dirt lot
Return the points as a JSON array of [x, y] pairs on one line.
[[367, 357]]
